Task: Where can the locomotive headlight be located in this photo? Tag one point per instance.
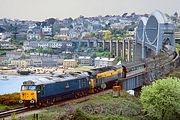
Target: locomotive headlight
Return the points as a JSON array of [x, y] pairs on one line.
[[20, 101], [32, 101]]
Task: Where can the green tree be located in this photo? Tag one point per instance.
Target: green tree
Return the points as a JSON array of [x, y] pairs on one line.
[[99, 49], [45, 50], [161, 100], [107, 35], [93, 34]]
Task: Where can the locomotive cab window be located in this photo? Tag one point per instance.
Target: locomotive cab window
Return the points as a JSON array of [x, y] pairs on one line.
[[30, 87], [24, 87]]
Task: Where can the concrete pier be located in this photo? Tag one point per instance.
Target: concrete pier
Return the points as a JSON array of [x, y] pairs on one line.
[[123, 50], [129, 51], [110, 46], [116, 47]]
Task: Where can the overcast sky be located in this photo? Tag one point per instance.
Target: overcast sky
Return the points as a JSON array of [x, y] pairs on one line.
[[42, 9]]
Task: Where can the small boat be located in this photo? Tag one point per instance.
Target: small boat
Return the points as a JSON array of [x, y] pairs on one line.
[[24, 72], [4, 78]]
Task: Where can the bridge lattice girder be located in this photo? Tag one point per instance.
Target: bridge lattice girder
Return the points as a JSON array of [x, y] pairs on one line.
[[154, 33]]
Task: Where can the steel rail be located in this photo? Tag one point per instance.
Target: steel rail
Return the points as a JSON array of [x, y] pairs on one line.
[[14, 111]]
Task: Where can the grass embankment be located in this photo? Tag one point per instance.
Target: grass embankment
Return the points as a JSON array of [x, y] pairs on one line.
[[103, 107], [9, 101], [8, 107]]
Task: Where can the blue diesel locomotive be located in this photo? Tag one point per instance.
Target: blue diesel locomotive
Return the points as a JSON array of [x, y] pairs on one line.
[[51, 89], [48, 90]]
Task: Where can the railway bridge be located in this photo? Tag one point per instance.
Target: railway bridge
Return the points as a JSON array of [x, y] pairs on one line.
[[155, 46], [153, 34], [115, 47]]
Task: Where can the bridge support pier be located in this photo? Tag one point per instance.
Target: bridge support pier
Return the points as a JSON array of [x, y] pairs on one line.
[[117, 48], [103, 44], [134, 52], [138, 52], [148, 53], [95, 43], [129, 50], [137, 91], [79, 44], [110, 46], [123, 50], [88, 43]]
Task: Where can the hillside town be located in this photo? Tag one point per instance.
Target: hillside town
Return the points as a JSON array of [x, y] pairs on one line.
[[49, 43]]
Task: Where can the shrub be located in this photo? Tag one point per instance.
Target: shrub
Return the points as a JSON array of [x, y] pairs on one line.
[[10, 99], [161, 100]]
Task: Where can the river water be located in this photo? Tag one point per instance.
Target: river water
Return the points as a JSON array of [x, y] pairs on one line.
[[14, 82]]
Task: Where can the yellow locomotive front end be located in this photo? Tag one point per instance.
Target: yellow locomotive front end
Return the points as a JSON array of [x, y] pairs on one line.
[[28, 94]]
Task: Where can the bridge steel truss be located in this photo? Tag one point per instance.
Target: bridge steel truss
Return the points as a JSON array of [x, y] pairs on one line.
[[155, 46], [153, 33]]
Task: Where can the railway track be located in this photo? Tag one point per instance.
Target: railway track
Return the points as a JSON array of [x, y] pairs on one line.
[[10, 112], [20, 112], [162, 65]]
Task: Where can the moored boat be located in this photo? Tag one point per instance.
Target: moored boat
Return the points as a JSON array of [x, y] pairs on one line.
[[3, 77], [23, 72]]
